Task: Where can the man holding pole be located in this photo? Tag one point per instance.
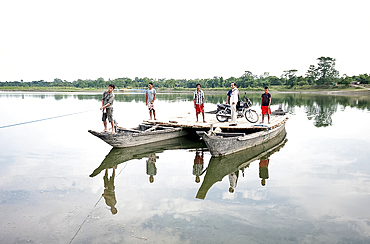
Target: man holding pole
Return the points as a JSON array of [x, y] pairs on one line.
[[107, 107]]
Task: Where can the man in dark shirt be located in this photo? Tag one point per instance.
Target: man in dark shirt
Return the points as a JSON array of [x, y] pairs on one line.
[[228, 96], [265, 104]]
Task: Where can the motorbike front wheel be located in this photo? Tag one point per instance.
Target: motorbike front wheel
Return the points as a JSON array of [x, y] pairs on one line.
[[222, 116], [251, 116]]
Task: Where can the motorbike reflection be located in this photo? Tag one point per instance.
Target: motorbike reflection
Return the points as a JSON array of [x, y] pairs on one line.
[[230, 165]]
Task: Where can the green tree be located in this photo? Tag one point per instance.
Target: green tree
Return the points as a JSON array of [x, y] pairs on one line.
[[364, 79], [326, 72], [345, 80], [290, 77], [247, 79], [311, 74]]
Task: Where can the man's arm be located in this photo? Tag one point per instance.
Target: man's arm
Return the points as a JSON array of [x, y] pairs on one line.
[[269, 101], [104, 106], [146, 98], [155, 95]]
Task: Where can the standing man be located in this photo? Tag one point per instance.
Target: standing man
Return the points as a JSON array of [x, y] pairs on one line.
[[198, 98], [150, 96], [233, 101], [228, 96], [265, 104], [107, 107]]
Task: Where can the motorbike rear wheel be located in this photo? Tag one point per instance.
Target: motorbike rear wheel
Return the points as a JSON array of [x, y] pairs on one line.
[[251, 116], [222, 115]]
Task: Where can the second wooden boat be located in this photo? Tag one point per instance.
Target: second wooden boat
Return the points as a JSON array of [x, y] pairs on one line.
[[224, 143]]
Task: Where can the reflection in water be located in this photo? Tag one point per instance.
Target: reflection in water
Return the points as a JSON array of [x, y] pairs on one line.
[[198, 164], [120, 155], [117, 156], [109, 194], [233, 178], [151, 169], [219, 167], [264, 171]]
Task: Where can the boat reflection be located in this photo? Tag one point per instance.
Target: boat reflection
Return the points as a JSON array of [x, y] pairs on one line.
[[120, 155], [117, 156], [230, 165]]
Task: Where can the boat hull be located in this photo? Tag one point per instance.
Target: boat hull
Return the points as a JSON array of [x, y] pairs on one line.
[[127, 139], [219, 167], [220, 146]]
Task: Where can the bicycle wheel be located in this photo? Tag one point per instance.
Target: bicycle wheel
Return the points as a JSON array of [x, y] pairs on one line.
[[251, 116]]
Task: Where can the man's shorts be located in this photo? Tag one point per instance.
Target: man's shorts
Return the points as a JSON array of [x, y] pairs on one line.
[[108, 114], [199, 108], [151, 106], [265, 109]]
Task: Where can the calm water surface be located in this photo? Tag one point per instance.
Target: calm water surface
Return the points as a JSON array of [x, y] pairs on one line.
[[53, 175]]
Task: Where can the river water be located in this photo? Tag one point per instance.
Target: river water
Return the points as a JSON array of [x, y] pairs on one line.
[[313, 186]]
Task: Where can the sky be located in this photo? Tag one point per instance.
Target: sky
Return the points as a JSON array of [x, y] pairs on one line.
[[71, 40]]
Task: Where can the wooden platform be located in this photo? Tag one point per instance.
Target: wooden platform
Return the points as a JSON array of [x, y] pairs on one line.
[[188, 120]]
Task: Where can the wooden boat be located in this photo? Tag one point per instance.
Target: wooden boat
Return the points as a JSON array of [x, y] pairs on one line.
[[224, 143], [143, 134], [219, 167], [117, 156]]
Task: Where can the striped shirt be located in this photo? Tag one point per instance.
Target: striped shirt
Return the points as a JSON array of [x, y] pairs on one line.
[[198, 97]]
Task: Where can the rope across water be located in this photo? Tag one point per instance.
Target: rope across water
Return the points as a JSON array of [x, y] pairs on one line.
[[34, 121]]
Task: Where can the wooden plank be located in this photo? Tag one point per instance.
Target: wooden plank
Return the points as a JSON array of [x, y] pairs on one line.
[[187, 121]]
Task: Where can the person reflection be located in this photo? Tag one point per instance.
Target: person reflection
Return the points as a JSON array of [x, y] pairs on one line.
[[264, 172], [198, 165], [233, 178], [109, 194], [151, 170]]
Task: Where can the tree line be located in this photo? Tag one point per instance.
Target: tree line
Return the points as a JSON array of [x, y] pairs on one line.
[[323, 73]]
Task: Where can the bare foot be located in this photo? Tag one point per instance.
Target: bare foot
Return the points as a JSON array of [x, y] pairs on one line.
[[204, 121]]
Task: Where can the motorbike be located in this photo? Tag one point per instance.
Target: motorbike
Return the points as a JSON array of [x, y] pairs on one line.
[[242, 108]]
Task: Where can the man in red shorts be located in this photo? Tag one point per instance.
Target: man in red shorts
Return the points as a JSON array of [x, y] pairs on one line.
[[265, 104], [198, 98]]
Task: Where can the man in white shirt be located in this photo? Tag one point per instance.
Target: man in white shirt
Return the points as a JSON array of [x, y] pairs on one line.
[[233, 101]]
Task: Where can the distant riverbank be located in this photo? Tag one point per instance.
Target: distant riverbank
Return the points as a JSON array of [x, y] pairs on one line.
[[324, 90]]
